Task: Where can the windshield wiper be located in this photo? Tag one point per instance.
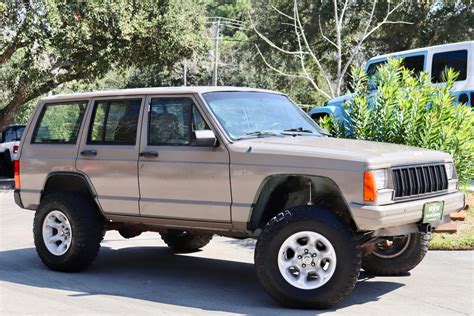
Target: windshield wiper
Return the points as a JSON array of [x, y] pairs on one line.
[[258, 134], [298, 130]]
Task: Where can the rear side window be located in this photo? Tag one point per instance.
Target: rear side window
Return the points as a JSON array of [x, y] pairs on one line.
[[414, 63], [114, 122], [457, 60], [59, 123]]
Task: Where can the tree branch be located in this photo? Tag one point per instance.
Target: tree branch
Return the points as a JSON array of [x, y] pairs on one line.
[[366, 34], [311, 53], [276, 69]]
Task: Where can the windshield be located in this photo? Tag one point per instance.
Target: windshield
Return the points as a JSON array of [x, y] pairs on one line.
[[13, 134], [257, 114]]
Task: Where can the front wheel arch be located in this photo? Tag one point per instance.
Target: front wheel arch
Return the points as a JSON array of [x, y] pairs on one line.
[[270, 198]]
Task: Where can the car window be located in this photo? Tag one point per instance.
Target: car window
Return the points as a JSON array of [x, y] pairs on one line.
[[241, 113], [12, 134], [414, 63], [172, 121], [59, 123], [372, 73], [457, 60], [114, 122]]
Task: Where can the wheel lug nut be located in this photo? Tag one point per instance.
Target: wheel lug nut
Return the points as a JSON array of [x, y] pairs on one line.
[[314, 255], [303, 265], [313, 264], [299, 257], [306, 251]]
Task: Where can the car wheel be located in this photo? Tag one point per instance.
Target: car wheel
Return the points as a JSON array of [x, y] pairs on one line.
[[397, 255], [67, 232], [185, 241], [306, 257]]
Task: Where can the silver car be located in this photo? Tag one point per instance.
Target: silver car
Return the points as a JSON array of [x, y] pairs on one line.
[[192, 162]]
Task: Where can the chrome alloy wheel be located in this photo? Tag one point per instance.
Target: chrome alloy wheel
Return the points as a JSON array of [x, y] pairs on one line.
[[57, 233], [307, 260]]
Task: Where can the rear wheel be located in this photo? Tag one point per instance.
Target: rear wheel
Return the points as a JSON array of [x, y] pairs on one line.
[[397, 255], [67, 232], [185, 241], [307, 257]]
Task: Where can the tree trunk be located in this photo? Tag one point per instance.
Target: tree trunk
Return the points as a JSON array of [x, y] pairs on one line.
[[24, 94], [7, 114]]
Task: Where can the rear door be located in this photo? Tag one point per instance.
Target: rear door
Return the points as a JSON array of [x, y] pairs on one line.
[[179, 180], [108, 153]]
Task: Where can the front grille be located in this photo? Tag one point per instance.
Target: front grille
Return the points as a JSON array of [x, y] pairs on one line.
[[419, 180]]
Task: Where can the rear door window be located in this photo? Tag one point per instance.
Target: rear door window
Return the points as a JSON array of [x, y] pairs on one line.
[[114, 122], [457, 60], [59, 123]]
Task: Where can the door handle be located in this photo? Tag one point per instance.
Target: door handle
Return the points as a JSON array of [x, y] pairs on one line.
[[89, 153], [149, 154]]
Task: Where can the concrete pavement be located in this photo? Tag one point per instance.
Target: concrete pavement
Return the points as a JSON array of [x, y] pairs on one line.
[[142, 276]]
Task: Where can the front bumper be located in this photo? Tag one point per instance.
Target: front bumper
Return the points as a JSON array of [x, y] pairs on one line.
[[373, 217]]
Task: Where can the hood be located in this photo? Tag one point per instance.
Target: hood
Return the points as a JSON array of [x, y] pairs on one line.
[[372, 153]]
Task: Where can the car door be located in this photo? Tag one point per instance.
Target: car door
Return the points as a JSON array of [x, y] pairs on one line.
[[178, 179], [108, 154]]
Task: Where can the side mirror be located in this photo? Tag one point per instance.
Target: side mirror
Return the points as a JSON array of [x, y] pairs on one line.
[[205, 138]]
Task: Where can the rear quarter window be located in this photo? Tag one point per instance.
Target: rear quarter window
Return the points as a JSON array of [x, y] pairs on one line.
[[457, 60], [59, 123]]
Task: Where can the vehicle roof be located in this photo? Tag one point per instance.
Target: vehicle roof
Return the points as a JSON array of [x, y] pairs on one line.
[[148, 91], [416, 50]]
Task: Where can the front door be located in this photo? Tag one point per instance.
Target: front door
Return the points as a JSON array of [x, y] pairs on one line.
[[108, 154], [179, 180]]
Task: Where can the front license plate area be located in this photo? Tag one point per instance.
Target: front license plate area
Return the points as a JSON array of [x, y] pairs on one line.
[[432, 212]]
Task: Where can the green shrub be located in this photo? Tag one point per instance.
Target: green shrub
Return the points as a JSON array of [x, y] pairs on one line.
[[410, 110]]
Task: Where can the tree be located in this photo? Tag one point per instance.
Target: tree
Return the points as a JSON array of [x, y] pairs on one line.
[[434, 22], [346, 46], [46, 43]]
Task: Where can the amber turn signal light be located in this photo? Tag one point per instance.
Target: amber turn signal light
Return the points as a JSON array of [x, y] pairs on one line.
[[370, 191]]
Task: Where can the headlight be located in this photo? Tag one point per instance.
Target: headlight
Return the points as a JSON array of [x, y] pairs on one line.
[[380, 178], [449, 170], [374, 180]]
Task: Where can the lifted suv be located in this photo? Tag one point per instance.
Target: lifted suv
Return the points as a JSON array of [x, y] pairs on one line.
[[244, 163]]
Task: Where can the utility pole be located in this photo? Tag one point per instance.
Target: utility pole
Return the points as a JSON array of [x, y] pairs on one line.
[[216, 51]]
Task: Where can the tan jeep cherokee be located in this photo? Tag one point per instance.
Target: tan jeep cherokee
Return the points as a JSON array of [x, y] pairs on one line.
[[244, 163]]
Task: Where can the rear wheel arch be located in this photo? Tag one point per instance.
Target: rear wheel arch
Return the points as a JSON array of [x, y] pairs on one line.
[[283, 191], [70, 182]]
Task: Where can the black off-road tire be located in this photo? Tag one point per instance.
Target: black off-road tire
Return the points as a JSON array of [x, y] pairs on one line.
[[87, 227], [324, 222], [401, 264], [185, 241]]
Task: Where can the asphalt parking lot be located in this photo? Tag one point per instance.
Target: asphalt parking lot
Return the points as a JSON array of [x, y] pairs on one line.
[[142, 276]]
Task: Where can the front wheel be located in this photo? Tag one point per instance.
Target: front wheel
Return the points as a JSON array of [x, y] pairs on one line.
[[397, 255], [306, 257]]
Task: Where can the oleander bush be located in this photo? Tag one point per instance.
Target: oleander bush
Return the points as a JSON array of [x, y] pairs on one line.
[[408, 109]]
